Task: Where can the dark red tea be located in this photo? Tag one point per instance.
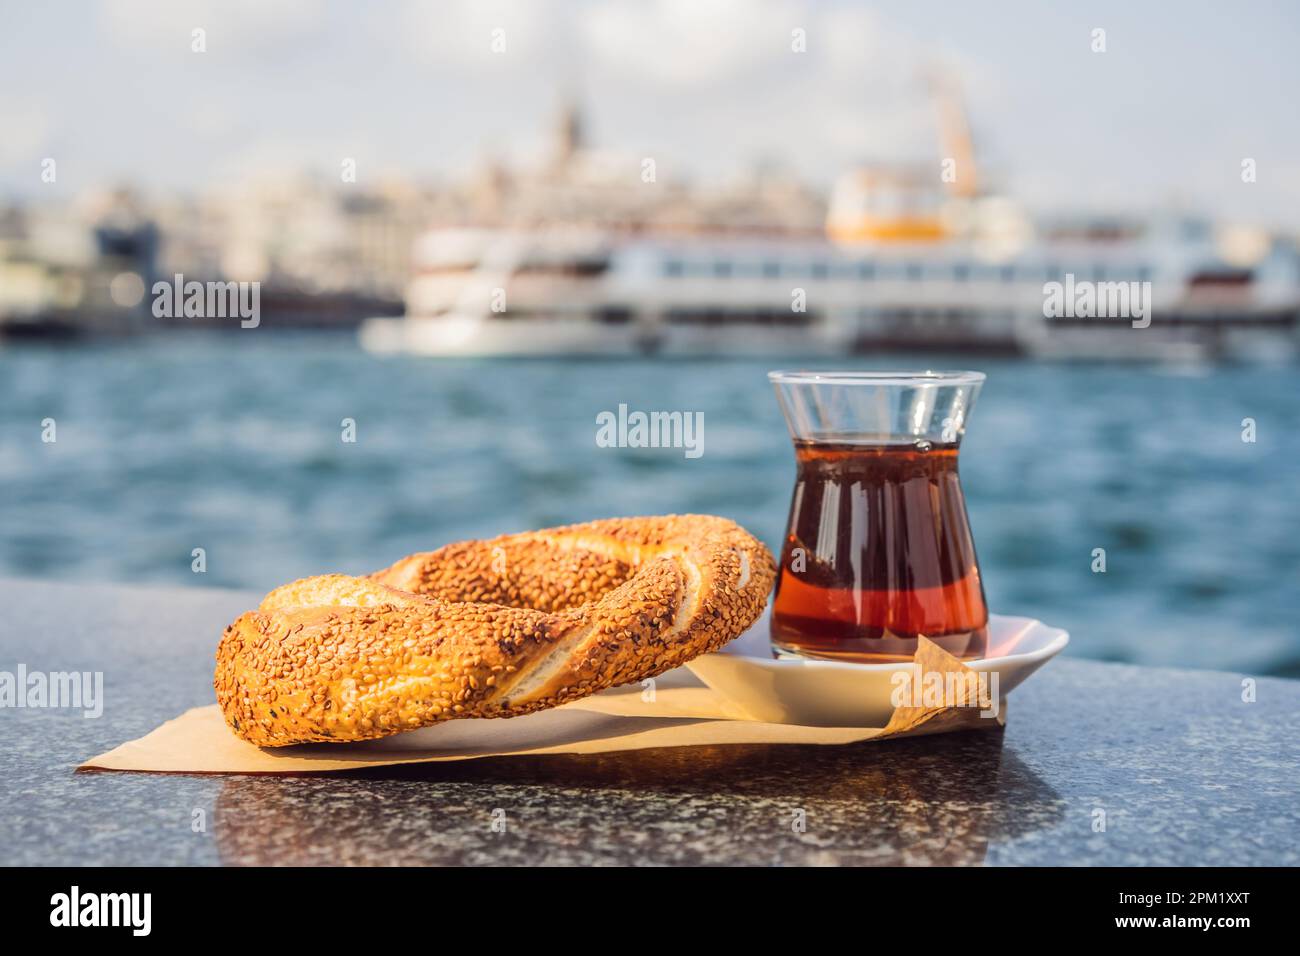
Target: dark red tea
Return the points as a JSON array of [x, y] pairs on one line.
[[878, 551]]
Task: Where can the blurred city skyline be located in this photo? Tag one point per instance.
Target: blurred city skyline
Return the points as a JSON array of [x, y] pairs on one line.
[[710, 90]]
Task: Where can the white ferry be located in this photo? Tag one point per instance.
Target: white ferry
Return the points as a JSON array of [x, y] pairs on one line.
[[905, 261], [600, 293]]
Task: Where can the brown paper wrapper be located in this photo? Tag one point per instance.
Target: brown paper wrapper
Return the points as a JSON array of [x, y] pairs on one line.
[[682, 713]]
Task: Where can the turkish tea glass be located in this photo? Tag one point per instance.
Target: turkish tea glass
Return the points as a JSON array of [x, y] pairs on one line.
[[878, 549]]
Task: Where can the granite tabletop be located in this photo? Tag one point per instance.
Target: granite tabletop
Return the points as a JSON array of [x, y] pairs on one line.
[[1098, 764]]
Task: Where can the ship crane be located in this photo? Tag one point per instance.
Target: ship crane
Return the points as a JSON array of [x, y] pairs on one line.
[[955, 135]]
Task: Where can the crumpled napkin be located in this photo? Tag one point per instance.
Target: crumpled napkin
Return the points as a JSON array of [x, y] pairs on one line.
[[681, 712]]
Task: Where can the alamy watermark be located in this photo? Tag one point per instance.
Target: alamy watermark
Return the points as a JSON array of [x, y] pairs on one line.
[[636, 429], [180, 299], [914, 687], [78, 690], [74, 908], [1084, 299]]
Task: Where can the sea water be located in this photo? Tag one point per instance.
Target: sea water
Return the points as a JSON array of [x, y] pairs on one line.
[[1152, 511]]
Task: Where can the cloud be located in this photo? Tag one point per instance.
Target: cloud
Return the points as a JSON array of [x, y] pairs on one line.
[[713, 82], [459, 34], [857, 92], [709, 85], [26, 133], [242, 26], [688, 42]]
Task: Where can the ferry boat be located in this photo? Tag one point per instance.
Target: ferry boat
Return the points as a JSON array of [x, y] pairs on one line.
[[585, 293], [906, 259]]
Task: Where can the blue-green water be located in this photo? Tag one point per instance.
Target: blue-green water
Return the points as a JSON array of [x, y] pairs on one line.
[[233, 444]]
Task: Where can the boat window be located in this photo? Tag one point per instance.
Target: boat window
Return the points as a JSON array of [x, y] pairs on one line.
[[712, 316], [614, 315], [771, 270], [578, 268], [866, 270], [819, 270], [673, 267]]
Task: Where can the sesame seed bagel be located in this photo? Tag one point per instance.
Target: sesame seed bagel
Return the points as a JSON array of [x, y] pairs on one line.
[[488, 628]]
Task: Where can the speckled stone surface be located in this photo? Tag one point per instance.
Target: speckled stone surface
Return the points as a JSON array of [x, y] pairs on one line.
[[1182, 769]]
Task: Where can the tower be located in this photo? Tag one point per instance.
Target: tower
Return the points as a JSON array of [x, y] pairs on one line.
[[568, 133]]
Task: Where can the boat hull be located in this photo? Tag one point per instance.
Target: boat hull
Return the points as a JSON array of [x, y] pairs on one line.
[[580, 338]]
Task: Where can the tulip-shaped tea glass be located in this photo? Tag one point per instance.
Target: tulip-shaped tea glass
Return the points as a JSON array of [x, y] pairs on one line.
[[878, 547]]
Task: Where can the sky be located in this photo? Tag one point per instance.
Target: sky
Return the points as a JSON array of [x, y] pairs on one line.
[[1181, 95]]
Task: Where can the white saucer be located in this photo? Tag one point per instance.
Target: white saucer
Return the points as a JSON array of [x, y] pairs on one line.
[[838, 694]]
